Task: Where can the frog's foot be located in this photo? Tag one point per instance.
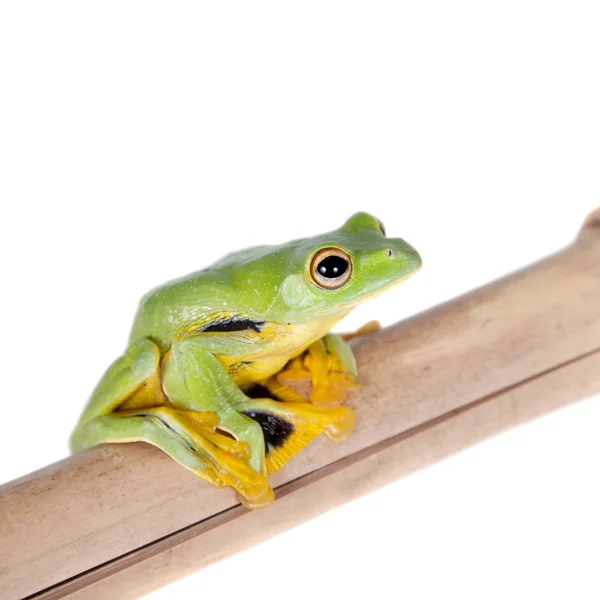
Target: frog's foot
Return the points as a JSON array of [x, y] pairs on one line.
[[366, 329], [328, 364], [289, 426], [190, 438]]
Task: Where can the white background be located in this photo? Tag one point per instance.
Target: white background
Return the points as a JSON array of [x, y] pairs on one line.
[[140, 141]]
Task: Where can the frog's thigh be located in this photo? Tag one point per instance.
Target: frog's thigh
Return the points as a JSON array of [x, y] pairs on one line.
[[128, 374], [329, 365], [193, 379], [119, 427], [183, 436], [289, 426]]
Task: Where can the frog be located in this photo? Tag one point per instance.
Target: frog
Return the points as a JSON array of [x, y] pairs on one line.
[[212, 370]]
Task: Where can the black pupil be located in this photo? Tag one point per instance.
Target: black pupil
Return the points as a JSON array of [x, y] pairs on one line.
[[333, 267]]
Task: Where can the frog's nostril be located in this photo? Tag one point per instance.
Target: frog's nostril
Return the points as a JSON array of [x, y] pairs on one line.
[[389, 253]]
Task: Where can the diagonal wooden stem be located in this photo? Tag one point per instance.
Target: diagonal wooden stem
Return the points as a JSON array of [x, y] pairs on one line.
[[433, 384]]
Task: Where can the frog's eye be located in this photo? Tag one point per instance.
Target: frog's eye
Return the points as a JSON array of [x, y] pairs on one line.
[[381, 227], [330, 268]]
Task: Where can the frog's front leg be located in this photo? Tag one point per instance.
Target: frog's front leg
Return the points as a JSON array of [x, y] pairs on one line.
[[194, 379]]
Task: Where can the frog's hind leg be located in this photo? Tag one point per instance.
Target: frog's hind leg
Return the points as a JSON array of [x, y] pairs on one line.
[[290, 426], [190, 438], [122, 427], [133, 375], [128, 405]]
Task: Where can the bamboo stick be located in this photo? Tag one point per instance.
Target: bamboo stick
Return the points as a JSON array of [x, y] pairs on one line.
[[433, 384]]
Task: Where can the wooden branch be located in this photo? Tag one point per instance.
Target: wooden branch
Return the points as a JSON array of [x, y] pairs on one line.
[[127, 518]]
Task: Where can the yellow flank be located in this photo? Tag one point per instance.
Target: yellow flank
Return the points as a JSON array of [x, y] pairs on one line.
[[150, 394], [276, 344]]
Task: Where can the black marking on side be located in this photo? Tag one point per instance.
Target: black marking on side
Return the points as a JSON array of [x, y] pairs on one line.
[[257, 391], [235, 367], [275, 429], [229, 324]]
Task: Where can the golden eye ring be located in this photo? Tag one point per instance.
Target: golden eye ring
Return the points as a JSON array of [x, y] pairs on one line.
[[330, 268]]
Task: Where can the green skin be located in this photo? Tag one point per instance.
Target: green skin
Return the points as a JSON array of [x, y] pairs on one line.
[[265, 284]]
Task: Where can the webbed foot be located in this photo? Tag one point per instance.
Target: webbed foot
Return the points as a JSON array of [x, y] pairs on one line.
[[327, 365], [189, 437], [290, 426]]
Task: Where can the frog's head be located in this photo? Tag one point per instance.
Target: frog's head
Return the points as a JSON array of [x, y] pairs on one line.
[[330, 273]]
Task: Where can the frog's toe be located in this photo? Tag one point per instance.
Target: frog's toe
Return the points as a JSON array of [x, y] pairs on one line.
[[327, 366], [289, 427], [253, 488], [257, 498], [366, 329], [333, 389], [228, 458], [326, 387], [236, 448], [341, 425], [223, 469]]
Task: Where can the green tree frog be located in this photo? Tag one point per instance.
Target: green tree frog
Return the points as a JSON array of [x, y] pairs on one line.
[[212, 358]]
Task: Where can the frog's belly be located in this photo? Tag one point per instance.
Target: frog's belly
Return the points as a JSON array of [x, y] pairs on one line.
[[245, 371], [275, 345]]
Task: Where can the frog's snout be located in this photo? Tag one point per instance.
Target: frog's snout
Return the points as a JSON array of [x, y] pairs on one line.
[[415, 258], [403, 250]]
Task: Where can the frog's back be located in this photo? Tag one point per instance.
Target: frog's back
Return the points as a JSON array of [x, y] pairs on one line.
[[181, 307], [228, 289]]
